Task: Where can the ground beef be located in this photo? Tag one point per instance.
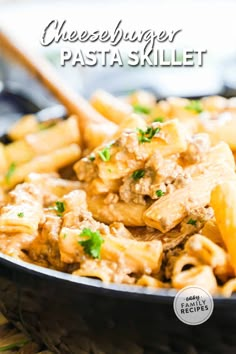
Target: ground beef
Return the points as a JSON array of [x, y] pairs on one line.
[[182, 180], [166, 169], [131, 191], [44, 249], [129, 141], [131, 145], [198, 146], [86, 170]]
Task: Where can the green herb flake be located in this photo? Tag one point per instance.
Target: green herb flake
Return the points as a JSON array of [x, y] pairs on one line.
[[141, 109], [158, 119], [136, 175], [195, 106], [20, 215], [192, 222], [59, 208], [10, 172], [64, 236], [91, 158], [105, 154], [159, 193], [93, 242], [145, 136]]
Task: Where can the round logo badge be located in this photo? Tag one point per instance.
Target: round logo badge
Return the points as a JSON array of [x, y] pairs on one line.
[[193, 305]]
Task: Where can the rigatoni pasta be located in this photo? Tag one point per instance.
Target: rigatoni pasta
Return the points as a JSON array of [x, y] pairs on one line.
[[23, 212], [45, 163], [223, 201], [28, 124], [202, 276], [110, 107], [43, 142], [129, 214], [167, 212]]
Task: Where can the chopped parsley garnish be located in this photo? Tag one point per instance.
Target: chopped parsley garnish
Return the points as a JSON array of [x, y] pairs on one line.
[[20, 215], [195, 105], [59, 208], [64, 236], [91, 158], [93, 242], [192, 222], [158, 119], [145, 136], [10, 172], [159, 193], [105, 154], [138, 174], [141, 109]]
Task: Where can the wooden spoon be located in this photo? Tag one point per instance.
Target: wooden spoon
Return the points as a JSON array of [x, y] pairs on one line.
[[94, 128]]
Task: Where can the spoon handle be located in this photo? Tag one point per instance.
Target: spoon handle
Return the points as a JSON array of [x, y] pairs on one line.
[[45, 73]]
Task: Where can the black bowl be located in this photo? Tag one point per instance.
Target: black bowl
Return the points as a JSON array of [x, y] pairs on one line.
[[71, 314]]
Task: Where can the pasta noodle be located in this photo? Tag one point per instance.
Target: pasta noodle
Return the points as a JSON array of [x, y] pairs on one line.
[[209, 253], [24, 211], [223, 199], [201, 276], [223, 131], [107, 271], [3, 160], [43, 164], [26, 125], [185, 260], [167, 212], [43, 142], [53, 184], [110, 107], [128, 214], [211, 231], [229, 288], [141, 98], [137, 256]]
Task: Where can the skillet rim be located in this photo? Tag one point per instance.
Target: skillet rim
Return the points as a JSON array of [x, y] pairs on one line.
[[98, 287]]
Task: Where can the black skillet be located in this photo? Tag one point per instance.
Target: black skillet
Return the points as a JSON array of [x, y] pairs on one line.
[[15, 104], [71, 314]]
